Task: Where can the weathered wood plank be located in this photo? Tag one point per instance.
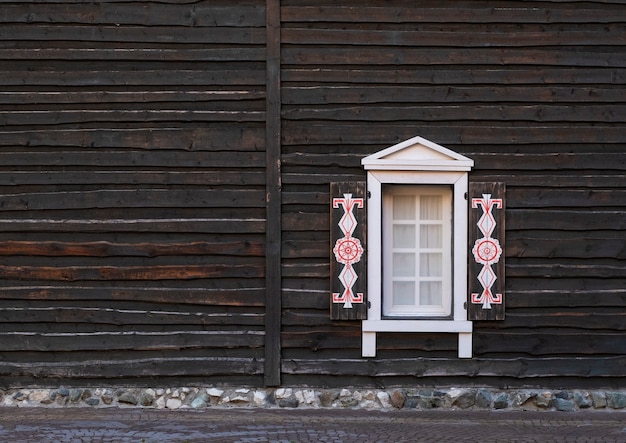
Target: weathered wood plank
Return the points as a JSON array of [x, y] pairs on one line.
[[567, 220], [123, 158], [556, 244], [466, 35], [239, 137], [198, 225], [438, 113], [113, 249], [136, 177], [87, 52], [522, 367], [493, 75], [223, 296], [568, 298], [566, 319], [439, 13], [136, 34], [535, 96], [591, 343], [128, 318], [134, 367], [163, 272], [360, 55], [133, 198], [120, 13], [138, 341]]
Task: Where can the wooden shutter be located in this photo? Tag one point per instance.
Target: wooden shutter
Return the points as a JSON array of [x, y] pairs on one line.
[[348, 300], [486, 243]]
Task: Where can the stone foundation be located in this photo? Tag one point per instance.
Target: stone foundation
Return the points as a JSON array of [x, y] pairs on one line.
[[389, 399]]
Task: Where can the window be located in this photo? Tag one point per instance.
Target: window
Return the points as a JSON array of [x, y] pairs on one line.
[[417, 242]]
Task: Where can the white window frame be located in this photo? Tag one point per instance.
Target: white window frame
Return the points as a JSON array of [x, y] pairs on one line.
[[417, 310], [417, 162]]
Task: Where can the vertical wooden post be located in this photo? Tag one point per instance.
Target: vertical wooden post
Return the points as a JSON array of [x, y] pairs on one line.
[[273, 197]]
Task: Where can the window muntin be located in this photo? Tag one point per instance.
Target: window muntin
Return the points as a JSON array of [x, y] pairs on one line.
[[417, 251]]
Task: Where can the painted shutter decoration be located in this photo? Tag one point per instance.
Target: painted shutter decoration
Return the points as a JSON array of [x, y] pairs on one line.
[[486, 236], [347, 268]]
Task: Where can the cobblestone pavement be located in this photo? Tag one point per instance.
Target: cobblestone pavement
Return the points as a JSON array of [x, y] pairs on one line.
[[115, 425]]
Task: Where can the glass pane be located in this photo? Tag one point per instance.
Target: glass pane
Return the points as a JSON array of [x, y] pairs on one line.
[[430, 265], [404, 293], [404, 207], [430, 293], [431, 236], [431, 207], [403, 265], [403, 236]]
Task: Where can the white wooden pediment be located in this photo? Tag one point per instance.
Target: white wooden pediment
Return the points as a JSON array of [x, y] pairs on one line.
[[417, 154]]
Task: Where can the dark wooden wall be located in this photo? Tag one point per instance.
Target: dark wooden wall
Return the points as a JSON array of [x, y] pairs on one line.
[[534, 93], [132, 191], [135, 173]]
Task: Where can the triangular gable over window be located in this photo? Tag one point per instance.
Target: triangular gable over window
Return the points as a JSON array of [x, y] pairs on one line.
[[417, 154]]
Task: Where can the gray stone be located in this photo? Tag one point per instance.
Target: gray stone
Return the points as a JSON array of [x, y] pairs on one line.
[[411, 402], [501, 401], [128, 398], [19, 396], [327, 398], [146, 399], [616, 400], [430, 402], [201, 401], [288, 403], [397, 399], [598, 399], [348, 402], [562, 394], [466, 399], [582, 399], [92, 401], [562, 404], [544, 399], [86, 394], [483, 398], [75, 395], [107, 398], [63, 392], [521, 397]]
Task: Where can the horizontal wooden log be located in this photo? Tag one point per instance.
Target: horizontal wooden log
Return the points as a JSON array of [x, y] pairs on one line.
[[112, 249], [199, 225], [568, 298], [558, 270], [524, 368], [439, 13], [170, 366], [434, 95], [299, 133], [299, 249], [549, 343], [293, 299], [224, 136], [494, 75], [567, 220], [225, 35], [133, 198], [224, 98], [252, 73], [58, 117], [124, 158], [361, 55], [441, 113], [553, 179], [87, 52], [320, 179], [109, 273], [129, 318], [138, 341], [304, 269], [556, 244], [454, 35], [566, 319], [120, 13], [136, 178], [240, 296]]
